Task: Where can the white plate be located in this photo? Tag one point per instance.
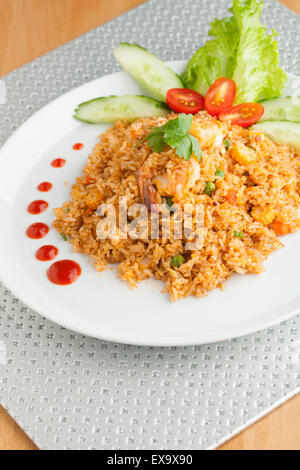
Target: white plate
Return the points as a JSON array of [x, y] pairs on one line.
[[103, 306]]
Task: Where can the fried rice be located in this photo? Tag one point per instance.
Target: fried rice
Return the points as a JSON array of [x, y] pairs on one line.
[[255, 199]]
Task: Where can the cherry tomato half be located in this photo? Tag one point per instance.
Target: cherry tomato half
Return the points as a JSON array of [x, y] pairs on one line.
[[220, 96], [243, 115], [183, 100]]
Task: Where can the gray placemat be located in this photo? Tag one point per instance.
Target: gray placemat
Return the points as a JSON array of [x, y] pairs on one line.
[[69, 391]]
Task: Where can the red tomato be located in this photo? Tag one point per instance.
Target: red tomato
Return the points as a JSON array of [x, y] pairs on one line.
[[220, 96], [243, 115], [183, 100]]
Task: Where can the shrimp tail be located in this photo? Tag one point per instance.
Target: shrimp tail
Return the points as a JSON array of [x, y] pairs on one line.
[[149, 195]]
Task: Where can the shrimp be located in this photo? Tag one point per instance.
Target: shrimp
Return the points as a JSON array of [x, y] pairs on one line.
[[207, 130], [168, 175], [177, 177]]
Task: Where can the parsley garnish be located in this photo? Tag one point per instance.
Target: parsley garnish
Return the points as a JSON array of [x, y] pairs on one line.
[[64, 237], [175, 133]]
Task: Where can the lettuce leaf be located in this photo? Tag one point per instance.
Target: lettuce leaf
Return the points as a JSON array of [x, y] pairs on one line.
[[242, 50], [215, 59]]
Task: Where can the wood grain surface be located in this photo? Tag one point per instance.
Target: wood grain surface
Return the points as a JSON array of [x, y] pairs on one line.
[[30, 28]]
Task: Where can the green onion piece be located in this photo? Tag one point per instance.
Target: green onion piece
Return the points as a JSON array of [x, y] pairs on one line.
[[64, 237], [177, 261], [169, 202], [227, 143], [238, 234], [210, 188], [220, 173]]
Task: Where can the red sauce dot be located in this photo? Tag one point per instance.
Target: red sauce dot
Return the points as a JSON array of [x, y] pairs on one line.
[[46, 253], [78, 146], [37, 230], [64, 272], [37, 207], [45, 186], [58, 162]]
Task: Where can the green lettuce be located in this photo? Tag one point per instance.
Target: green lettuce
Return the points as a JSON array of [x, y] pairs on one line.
[[241, 49]]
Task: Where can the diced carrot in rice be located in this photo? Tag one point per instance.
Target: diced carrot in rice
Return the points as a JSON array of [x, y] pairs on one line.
[[231, 196], [281, 229]]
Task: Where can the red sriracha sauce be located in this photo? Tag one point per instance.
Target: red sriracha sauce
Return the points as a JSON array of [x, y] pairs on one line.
[[46, 253], [58, 162], [37, 230], [78, 146], [64, 272], [45, 186], [37, 207]]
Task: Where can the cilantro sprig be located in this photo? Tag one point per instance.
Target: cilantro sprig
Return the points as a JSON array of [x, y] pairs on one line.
[[175, 133]]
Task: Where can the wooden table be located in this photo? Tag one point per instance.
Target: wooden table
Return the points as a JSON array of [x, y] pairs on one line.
[[30, 28]]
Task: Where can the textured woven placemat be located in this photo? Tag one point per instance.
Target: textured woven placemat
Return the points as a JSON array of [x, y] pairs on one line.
[[68, 391]]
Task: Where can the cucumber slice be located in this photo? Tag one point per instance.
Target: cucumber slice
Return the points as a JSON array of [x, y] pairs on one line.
[[282, 132], [281, 109], [114, 108], [149, 71]]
